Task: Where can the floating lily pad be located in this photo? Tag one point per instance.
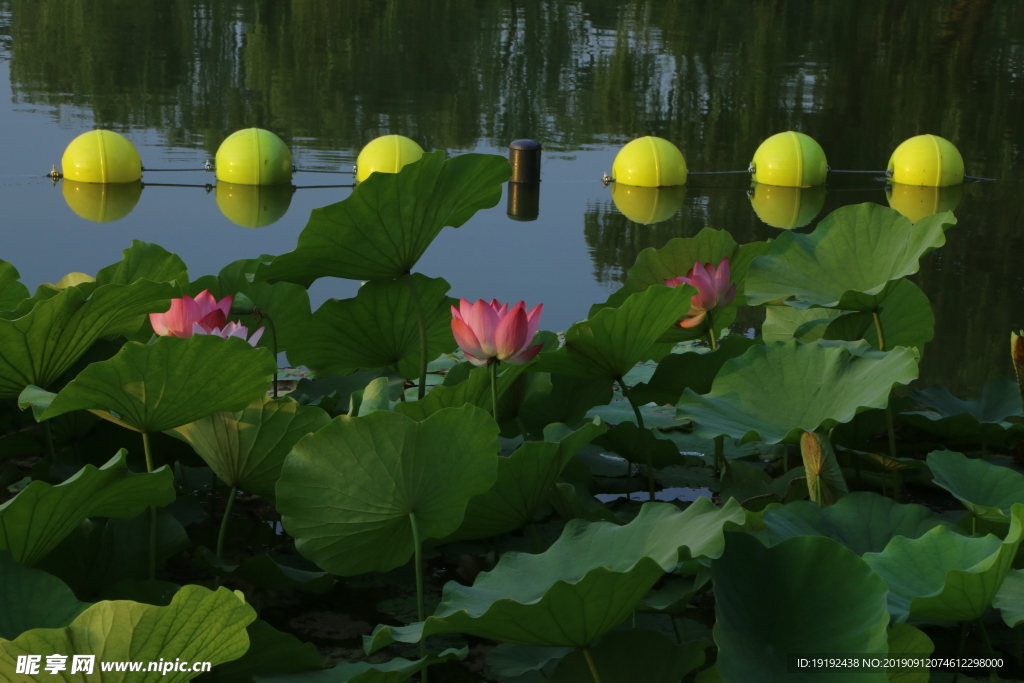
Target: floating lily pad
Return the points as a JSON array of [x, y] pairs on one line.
[[34, 521], [638, 654], [773, 393], [33, 599], [246, 448], [988, 491], [984, 420], [806, 595], [169, 383], [198, 626], [380, 231], [581, 588], [346, 492], [945, 576], [847, 261]]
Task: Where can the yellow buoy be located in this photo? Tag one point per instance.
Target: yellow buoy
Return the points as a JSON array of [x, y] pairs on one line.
[[254, 156], [253, 206], [916, 201], [647, 205], [787, 207], [101, 203], [387, 154], [789, 159], [649, 162], [927, 160], [101, 156]]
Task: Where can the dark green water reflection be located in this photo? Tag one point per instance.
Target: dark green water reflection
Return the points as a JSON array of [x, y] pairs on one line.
[[715, 77]]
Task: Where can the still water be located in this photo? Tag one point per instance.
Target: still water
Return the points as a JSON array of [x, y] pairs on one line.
[[582, 77]]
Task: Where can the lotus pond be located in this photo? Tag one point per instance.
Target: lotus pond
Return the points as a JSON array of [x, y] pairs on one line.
[[420, 500]]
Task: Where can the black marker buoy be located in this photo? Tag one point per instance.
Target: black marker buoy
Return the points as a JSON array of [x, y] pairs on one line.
[[524, 186]]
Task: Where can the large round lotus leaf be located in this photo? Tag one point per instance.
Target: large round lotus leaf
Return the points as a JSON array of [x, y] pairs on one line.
[[945, 576], [904, 312], [981, 421], [909, 643], [615, 339], [380, 231], [171, 382], [33, 599], [807, 595], [40, 516], [638, 655], [691, 370], [1010, 598], [144, 260], [12, 291], [198, 626], [988, 491], [246, 448], [582, 587], [775, 392], [41, 344], [863, 521], [847, 261], [346, 493], [378, 328]]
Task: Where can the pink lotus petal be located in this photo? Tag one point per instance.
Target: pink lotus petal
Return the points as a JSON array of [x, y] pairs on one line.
[[525, 356], [483, 320], [178, 320], [510, 336], [479, 362], [533, 320], [688, 323], [254, 339], [465, 338]]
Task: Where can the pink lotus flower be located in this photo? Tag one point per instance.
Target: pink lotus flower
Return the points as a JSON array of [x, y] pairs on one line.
[[186, 312], [713, 290], [489, 332], [230, 330]]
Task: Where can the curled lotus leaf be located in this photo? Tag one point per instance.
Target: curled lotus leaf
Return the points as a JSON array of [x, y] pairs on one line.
[[989, 491]]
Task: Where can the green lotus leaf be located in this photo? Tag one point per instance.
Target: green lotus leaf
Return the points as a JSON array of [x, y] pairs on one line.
[[847, 261], [678, 256], [631, 656], [904, 311], [198, 626], [806, 595], [782, 323], [44, 342], [474, 390], [380, 231], [640, 446], [284, 306], [905, 641], [524, 482], [862, 521], [557, 398], [508, 660], [1010, 598], [12, 291], [981, 421], [615, 339], [574, 501], [773, 393], [392, 671], [263, 571], [375, 396], [172, 382], [691, 370], [347, 492], [270, 652], [988, 491], [34, 521], [581, 588], [33, 599], [246, 448], [379, 328], [144, 261], [945, 576], [757, 492]]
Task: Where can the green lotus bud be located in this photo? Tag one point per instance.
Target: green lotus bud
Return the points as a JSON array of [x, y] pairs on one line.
[[242, 305]]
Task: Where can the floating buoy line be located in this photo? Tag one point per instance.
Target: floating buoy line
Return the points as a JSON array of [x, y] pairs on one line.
[[102, 173]]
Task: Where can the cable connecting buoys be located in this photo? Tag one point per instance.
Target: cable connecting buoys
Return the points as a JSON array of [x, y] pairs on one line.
[[254, 156], [787, 207], [101, 202], [649, 162], [253, 206], [647, 205], [101, 156], [789, 159], [917, 201], [927, 160], [387, 154]]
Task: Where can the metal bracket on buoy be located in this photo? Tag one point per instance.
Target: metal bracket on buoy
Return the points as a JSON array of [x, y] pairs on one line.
[[606, 179], [208, 166], [54, 174]]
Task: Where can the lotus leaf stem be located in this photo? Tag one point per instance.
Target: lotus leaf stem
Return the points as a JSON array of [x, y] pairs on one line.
[[49, 441], [493, 365], [152, 510], [720, 454], [711, 338], [421, 612], [878, 329], [993, 672], [421, 323], [224, 522], [640, 423], [590, 663], [888, 408], [273, 346]]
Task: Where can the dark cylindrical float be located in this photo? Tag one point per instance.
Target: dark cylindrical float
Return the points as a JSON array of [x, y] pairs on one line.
[[524, 155], [523, 201]]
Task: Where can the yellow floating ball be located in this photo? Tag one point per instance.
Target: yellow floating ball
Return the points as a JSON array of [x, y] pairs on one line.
[[927, 160], [787, 207], [647, 205], [253, 206], [101, 203], [387, 154], [254, 156], [101, 156], [649, 162], [916, 201], [790, 159]]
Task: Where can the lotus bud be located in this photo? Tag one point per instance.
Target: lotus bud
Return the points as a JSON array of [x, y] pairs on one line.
[[242, 305], [825, 482]]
